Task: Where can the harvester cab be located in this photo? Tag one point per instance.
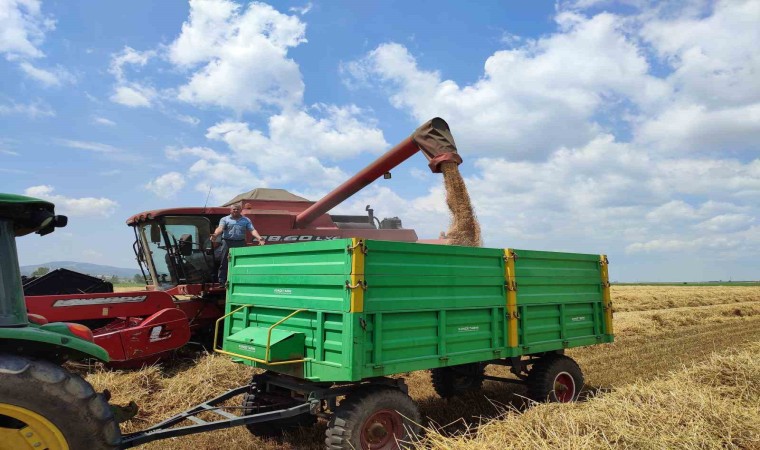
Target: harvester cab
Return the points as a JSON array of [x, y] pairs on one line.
[[42, 405], [174, 250]]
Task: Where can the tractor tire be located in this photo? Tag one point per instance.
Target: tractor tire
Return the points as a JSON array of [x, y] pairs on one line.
[[58, 408], [252, 402], [374, 418], [457, 380], [555, 378]]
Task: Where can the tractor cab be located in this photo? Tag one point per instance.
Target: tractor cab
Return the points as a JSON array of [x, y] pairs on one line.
[[19, 216]]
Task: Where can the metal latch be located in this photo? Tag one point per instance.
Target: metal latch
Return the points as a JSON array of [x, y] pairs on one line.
[[359, 244], [361, 283]]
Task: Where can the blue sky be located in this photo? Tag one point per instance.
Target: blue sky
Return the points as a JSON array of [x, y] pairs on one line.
[[629, 128]]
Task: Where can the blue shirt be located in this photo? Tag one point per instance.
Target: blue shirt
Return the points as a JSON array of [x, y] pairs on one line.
[[235, 229]]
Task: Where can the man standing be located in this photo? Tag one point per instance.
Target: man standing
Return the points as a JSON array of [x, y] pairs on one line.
[[234, 230]]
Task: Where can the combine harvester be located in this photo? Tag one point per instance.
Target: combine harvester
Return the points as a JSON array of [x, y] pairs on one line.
[[176, 257]]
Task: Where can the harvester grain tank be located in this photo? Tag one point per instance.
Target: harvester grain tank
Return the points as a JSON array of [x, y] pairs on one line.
[[178, 262]]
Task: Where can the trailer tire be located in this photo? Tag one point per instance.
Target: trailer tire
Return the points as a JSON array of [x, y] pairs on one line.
[[555, 378], [59, 407], [457, 380], [376, 418], [252, 402]]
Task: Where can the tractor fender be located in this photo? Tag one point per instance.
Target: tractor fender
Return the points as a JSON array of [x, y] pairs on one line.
[[33, 340]]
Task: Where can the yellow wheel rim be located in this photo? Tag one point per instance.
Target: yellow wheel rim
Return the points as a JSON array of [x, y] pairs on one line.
[[33, 432]]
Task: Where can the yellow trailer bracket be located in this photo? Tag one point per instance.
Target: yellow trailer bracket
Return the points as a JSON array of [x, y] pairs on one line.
[[604, 264], [511, 285], [357, 284]]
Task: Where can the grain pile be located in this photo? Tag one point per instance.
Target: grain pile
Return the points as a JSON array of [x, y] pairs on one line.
[[464, 229]]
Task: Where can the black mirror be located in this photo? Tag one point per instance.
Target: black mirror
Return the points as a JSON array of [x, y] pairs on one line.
[[155, 234]]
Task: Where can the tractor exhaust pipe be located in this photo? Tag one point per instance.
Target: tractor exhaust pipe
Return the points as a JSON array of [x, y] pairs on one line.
[[433, 138]]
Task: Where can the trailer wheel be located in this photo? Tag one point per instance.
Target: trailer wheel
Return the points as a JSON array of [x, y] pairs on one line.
[[256, 400], [456, 380], [44, 406], [555, 378], [374, 418]]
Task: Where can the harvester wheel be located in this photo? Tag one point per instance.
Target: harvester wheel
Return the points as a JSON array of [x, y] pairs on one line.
[[555, 378], [374, 418], [43, 406], [456, 380], [258, 400]]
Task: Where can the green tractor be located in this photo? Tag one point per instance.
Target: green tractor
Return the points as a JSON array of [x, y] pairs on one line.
[[43, 405]]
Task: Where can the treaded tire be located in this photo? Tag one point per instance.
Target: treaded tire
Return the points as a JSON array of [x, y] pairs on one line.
[[457, 380], [273, 428], [355, 422], [555, 378], [65, 399]]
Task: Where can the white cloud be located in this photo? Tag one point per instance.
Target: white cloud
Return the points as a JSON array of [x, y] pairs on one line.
[[103, 121], [33, 110], [84, 206], [530, 100], [22, 28], [176, 154], [302, 10], [104, 151], [188, 119], [8, 152], [128, 56], [166, 185], [57, 77], [239, 56], [297, 142], [91, 146], [715, 104], [133, 95], [128, 93]]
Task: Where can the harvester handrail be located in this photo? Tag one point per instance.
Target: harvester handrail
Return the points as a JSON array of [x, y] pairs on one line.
[[269, 340]]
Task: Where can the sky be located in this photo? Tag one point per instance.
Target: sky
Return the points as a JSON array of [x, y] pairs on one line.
[[629, 128]]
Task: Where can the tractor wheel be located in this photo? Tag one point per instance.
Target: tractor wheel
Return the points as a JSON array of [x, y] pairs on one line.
[[374, 418], [257, 400], [555, 378], [43, 406], [456, 380]]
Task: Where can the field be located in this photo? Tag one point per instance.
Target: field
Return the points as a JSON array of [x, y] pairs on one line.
[[683, 373]]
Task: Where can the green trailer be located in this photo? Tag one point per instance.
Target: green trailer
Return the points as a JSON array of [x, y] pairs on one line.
[[333, 323], [352, 312]]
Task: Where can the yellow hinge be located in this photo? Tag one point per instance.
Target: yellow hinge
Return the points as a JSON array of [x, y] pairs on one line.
[[606, 297], [511, 284], [357, 284]]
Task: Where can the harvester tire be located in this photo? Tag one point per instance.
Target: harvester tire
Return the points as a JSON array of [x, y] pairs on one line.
[[253, 402], [377, 418], [457, 380], [555, 378], [56, 403]]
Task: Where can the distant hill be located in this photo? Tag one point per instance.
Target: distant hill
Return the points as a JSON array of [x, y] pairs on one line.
[[87, 268]]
